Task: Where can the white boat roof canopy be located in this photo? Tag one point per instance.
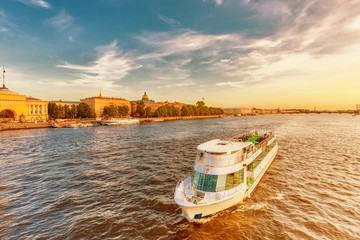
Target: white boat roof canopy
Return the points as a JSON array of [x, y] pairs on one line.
[[222, 146]]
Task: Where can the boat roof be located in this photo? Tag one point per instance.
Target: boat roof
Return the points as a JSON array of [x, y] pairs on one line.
[[222, 146]]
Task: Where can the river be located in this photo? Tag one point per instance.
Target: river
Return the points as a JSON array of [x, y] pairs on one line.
[[118, 182]]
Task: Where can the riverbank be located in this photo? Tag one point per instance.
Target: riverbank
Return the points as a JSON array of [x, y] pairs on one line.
[[24, 125], [142, 120], [60, 124]]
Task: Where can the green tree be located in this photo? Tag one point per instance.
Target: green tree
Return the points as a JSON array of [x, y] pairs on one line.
[[67, 113], [123, 110], [84, 111], [73, 111], [176, 111], [111, 111], [200, 104], [140, 108], [52, 110], [148, 111], [185, 111], [161, 111], [61, 112]]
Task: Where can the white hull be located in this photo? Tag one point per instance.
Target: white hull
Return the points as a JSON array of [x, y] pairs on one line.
[[121, 122], [242, 191]]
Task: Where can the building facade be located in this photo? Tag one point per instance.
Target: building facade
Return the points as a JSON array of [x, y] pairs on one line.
[[152, 104], [15, 107], [63, 103], [97, 104]]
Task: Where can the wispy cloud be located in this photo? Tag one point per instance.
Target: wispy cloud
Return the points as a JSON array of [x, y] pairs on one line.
[[304, 30], [170, 21], [65, 24], [219, 2], [36, 3], [61, 22], [111, 66]]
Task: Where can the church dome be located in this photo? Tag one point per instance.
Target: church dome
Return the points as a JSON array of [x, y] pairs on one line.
[[145, 97]]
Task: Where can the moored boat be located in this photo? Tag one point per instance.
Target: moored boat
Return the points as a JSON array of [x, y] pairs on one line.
[[116, 122], [225, 172]]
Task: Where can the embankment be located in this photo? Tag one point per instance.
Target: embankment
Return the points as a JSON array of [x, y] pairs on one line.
[[25, 125]]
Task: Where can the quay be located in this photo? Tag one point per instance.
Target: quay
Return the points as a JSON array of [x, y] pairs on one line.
[[33, 125]]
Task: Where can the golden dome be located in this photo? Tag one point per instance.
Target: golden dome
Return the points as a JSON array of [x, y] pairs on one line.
[[145, 97]]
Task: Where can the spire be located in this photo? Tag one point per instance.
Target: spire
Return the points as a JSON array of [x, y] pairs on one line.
[[3, 87], [100, 89]]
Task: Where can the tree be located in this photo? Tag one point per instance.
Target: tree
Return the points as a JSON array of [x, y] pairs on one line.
[[123, 110], [110, 111], [84, 111], [67, 113], [52, 110], [140, 108], [200, 104], [185, 111], [61, 111], [176, 111], [161, 111], [148, 111], [73, 111]]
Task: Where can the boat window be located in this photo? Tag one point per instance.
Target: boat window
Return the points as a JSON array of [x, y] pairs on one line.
[[210, 183], [229, 181], [234, 179], [220, 185], [216, 183], [196, 176]]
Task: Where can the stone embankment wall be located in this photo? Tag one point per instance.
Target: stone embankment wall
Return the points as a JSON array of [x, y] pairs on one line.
[[25, 125]]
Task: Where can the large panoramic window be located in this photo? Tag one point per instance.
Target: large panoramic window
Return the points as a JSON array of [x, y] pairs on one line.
[[217, 183], [234, 179]]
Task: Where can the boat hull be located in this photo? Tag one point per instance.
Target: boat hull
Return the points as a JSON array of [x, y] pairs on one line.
[[194, 211]]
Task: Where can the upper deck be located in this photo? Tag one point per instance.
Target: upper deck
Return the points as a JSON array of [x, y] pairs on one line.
[[218, 146], [224, 154]]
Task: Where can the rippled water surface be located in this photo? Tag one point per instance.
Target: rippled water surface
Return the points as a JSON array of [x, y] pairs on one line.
[[118, 182]]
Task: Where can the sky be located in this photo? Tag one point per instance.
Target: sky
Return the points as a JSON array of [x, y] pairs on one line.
[[232, 53]]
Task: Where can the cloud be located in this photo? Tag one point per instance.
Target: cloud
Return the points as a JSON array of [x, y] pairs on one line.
[[65, 24], [185, 83], [36, 3], [111, 66], [171, 22], [61, 22], [304, 30]]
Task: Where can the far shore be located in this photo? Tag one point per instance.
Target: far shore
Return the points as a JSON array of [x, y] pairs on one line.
[[62, 123]]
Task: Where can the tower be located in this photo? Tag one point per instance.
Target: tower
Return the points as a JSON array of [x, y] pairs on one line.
[[100, 89], [3, 87]]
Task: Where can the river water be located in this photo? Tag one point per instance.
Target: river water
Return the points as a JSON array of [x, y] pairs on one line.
[[118, 182]]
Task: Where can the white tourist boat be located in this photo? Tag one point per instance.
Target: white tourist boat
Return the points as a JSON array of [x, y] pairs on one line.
[[225, 172], [116, 122]]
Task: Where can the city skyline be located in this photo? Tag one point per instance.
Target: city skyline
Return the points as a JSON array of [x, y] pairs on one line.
[[298, 54]]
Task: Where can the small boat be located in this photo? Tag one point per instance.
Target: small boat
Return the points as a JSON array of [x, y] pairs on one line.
[[116, 122], [75, 125], [225, 172], [157, 120]]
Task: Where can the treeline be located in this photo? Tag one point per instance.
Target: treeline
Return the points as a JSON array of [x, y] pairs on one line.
[[68, 112], [171, 111], [115, 111]]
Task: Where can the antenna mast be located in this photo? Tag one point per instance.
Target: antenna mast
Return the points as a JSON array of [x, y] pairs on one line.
[[3, 87], [3, 77]]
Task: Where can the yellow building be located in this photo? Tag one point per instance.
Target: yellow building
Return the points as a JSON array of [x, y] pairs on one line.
[[97, 104], [15, 107], [63, 103], [152, 104]]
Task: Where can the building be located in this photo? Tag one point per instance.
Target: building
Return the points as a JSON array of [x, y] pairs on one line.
[[97, 104], [152, 104], [63, 103], [15, 107]]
